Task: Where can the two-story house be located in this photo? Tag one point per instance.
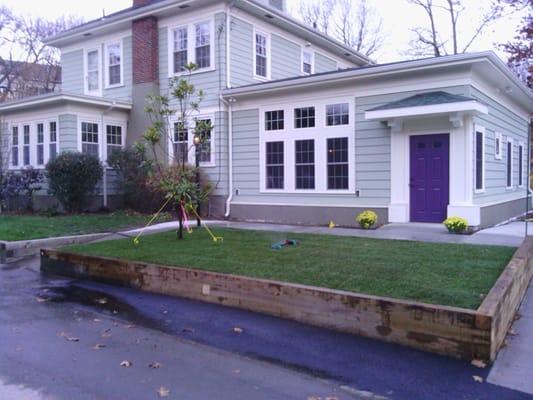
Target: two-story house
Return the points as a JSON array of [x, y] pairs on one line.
[[306, 130]]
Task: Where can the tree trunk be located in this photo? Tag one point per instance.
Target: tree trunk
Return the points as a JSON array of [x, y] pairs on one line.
[[180, 219]]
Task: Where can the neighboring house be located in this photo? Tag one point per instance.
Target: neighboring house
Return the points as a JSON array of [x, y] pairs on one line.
[[21, 79], [305, 129]]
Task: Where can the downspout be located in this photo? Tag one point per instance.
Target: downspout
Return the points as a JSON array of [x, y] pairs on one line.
[[228, 44], [230, 157], [104, 178]]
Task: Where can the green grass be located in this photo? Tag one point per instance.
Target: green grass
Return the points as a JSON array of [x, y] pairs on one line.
[[26, 227], [448, 274]]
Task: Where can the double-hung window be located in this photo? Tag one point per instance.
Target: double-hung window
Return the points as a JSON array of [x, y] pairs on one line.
[[498, 145], [89, 138], [520, 165], [93, 71], [26, 145], [337, 114], [338, 170], [261, 55], [40, 144], [180, 49], [203, 44], [304, 117], [52, 126], [181, 144], [307, 62], [204, 152], [305, 164], [114, 139], [275, 176], [479, 148], [15, 146], [275, 120], [114, 64], [509, 163]]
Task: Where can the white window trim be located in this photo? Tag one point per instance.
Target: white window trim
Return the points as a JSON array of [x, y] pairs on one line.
[[508, 142], [97, 92], [480, 129], [285, 120], [191, 45], [106, 63], [110, 122], [190, 140], [47, 138], [91, 120], [312, 53], [350, 115], [19, 147], [268, 55], [320, 133], [32, 151], [522, 146], [43, 123], [498, 151]]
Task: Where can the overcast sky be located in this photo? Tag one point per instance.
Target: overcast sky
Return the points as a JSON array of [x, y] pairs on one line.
[[398, 17]]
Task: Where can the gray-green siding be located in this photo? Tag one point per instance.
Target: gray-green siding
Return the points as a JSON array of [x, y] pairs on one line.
[[504, 121], [68, 132], [324, 64], [72, 71]]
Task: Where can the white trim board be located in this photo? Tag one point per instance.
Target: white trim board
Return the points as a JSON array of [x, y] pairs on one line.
[[465, 106]]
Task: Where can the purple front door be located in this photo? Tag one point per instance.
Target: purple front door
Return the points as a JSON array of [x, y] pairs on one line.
[[429, 179]]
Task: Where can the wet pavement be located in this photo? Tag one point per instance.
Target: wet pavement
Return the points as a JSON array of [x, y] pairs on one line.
[[64, 339]]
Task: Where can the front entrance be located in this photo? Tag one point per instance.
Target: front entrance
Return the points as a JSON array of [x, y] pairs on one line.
[[429, 177]]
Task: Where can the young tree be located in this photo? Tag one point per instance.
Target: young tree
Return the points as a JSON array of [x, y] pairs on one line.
[[445, 19], [354, 23]]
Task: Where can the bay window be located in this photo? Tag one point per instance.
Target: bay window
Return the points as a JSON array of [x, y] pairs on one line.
[[40, 144], [89, 138], [53, 140], [15, 146], [114, 139], [26, 145]]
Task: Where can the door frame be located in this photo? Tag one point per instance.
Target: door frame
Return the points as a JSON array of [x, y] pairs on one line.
[[409, 161]]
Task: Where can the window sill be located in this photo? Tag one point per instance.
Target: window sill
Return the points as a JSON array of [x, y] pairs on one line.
[[115, 86], [262, 78], [198, 71], [208, 165]]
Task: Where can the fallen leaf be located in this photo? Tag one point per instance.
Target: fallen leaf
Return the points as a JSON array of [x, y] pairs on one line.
[[41, 300], [165, 312], [155, 365], [238, 330], [478, 363], [101, 300], [72, 339], [96, 320], [107, 333], [98, 346], [126, 364], [477, 379], [163, 392]]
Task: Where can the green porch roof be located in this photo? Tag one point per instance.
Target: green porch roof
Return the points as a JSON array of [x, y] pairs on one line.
[[425, 99]]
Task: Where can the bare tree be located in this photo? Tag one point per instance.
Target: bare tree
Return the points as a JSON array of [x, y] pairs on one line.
[[318, 14], [22, 39], [360, 27], [429, 40]]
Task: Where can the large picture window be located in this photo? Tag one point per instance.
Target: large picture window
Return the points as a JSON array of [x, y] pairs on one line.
[[338, 170], [479, 159], [15, 146], [275, 165], [261, 55], [305, 164], [304, 117], [89, 138]]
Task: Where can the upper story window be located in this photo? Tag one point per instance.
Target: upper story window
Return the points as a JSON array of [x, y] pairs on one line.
[[304, 117], [89, 138], [337, 114], [307, 62], [180, 49], [52, 151], [15, 146], [114, 64], [191, 43], [92, 68], [275, 120], [261, 55], [203, 45]]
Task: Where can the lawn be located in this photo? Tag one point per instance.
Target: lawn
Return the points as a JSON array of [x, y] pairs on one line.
[[26, 227], [448, 274]]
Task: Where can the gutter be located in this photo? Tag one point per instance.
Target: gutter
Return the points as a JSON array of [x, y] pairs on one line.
[[104, 178], [228, 104]]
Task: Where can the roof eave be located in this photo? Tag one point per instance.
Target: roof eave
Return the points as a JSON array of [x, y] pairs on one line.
[[473, 107]]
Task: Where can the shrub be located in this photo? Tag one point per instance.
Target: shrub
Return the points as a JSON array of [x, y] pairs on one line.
[[367, 219], [72, 176], [21, 183], [456, 224]]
